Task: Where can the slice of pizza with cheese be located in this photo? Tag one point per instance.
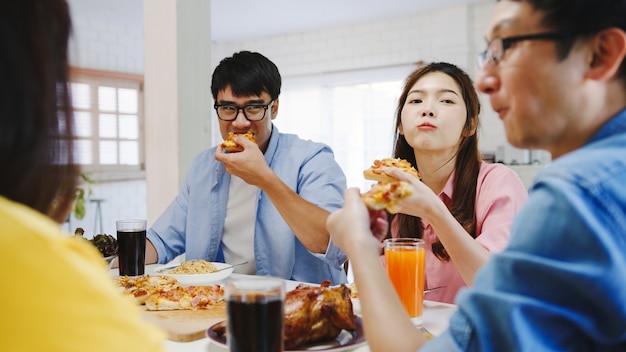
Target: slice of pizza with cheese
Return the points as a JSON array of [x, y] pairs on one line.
[[385, 195], [229, 144], [375, 172], [186, 298], [142, 287]]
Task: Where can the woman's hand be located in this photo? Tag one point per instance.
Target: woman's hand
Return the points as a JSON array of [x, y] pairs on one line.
[[423, 202]]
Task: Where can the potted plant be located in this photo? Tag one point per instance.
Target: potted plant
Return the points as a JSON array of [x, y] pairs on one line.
[[83, 192]]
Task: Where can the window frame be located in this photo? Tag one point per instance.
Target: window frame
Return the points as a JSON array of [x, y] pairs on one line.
[[98, 78]]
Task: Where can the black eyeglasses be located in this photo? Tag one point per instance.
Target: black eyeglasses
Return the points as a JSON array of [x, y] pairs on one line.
[[252, 112], [497, 46]]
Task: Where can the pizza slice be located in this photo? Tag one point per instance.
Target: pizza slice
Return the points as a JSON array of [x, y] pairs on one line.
[[385, 195], [375, 172], [229, 144], [142, 287], [186, 298]]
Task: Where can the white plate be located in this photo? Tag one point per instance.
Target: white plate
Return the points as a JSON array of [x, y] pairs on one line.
[[197, 279], [346, 341]]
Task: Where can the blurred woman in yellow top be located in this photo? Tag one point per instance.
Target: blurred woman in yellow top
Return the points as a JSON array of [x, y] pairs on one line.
[[56, 292]]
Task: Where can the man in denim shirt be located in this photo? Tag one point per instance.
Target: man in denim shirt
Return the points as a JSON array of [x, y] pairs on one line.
[[556, 75], [267, 204]]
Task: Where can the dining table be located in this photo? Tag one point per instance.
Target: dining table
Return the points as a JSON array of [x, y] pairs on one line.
[[435, 319]]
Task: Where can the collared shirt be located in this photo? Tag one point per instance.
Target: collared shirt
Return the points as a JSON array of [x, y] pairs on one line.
[[560, 285], [500, 194], [194, 222]]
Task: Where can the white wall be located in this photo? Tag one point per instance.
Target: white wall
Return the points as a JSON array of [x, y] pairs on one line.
[[454, 35], [107, 46], [121, 200], [115, 47]]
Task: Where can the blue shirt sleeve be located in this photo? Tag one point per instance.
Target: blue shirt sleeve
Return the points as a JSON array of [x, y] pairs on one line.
[[559, 285]]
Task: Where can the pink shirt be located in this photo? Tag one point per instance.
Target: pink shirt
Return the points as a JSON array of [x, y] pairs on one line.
[[500, 194]]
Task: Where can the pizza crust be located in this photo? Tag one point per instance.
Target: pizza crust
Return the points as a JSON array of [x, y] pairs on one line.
[[379, 176], [375, 172]]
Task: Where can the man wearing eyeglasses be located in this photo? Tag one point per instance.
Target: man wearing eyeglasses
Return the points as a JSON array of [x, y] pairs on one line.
[[266, 205], [555, 73]]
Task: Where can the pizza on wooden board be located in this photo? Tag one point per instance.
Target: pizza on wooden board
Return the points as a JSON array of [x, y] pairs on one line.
[[183, 298], [161, 292], [142, 287]]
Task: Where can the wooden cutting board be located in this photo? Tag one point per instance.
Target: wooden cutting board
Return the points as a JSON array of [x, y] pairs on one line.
[[187, 325]]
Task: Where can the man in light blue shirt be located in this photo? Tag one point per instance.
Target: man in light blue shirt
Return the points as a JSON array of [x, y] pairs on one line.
[[265, 205], [555, 73]]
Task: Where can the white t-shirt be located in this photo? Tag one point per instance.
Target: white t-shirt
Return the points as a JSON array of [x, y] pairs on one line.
[[238, 238]]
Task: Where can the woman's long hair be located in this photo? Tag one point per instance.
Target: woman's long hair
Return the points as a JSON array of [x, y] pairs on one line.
[[467, 158], [36, 123]]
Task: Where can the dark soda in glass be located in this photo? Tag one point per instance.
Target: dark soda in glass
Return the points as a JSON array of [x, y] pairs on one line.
[[255, 323], [131, 252]]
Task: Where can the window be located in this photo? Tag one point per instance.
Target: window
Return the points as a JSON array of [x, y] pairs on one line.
[[356, 121], [353, 113], [108, 123]]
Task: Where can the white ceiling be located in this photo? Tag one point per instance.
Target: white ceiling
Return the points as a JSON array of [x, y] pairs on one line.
[[246, 19]]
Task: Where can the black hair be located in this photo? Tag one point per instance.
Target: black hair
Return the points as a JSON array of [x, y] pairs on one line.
[[35, 107], [579, 19], [247, 73], [467, 157]]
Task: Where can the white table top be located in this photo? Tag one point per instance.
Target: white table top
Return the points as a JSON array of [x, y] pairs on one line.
[[436, 317]]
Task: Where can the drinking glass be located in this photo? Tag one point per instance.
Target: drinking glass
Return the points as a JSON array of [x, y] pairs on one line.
[[406, 258], [255, 310], [131, 241]]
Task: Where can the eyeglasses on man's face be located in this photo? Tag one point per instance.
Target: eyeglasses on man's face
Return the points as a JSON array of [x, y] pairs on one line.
[[252, 112], [498, 46]]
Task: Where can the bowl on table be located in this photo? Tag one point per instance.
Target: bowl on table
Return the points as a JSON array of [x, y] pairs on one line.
[[224, 270]]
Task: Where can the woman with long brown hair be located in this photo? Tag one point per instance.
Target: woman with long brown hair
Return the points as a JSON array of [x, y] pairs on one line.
[[56, 290], [462, 206]]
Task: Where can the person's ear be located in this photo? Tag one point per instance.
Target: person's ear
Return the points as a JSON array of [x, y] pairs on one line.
[[608, 50], [471, 130], [274, 109]]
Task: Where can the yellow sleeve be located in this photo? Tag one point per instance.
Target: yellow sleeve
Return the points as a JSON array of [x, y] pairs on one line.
[[57, 294]]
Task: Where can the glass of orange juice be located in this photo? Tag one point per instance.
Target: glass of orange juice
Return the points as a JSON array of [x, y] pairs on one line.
[[406, 258]]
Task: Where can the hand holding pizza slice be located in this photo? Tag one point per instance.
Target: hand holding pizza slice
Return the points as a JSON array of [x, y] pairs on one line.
[[375, 172], [386, 195], [230, 146]]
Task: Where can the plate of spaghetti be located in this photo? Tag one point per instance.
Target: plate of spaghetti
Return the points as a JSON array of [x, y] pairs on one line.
[[196, 272]]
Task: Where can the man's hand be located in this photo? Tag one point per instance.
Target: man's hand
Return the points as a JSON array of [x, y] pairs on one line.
[[354, 223], [378, 224], [249, 164], [306, 220]]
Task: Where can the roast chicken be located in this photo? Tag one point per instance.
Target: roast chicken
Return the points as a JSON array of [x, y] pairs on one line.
[[312, 314], [317, 313]]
